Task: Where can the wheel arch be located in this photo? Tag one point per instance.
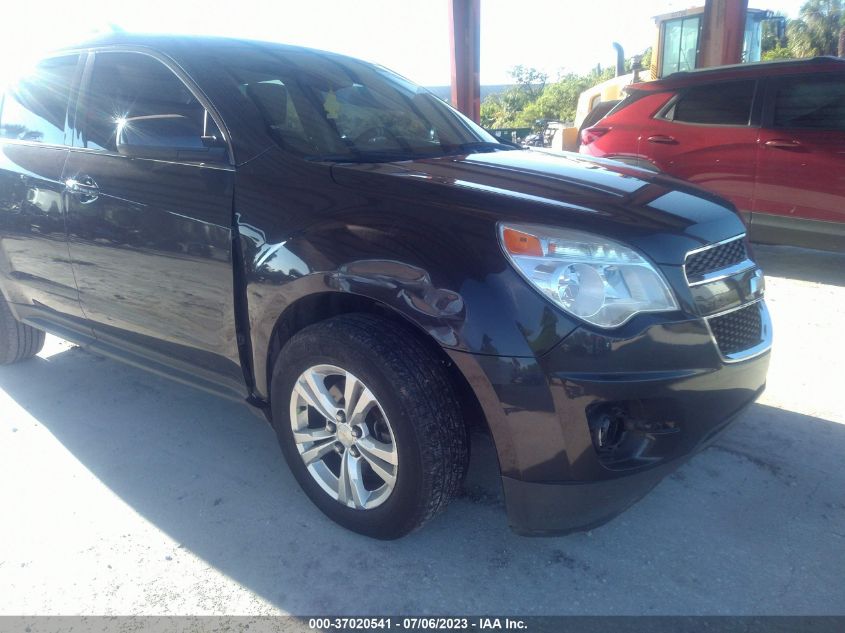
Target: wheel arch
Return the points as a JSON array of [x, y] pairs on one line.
[[317, 307]]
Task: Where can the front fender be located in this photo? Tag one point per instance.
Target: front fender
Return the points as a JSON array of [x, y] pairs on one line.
[[496, 315], [437, 265]]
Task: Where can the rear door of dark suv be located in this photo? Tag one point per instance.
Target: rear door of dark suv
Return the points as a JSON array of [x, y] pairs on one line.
[[33, 148]]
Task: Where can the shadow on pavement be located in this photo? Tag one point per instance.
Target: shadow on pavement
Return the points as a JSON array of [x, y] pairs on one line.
[[791, 262], [733, 531]]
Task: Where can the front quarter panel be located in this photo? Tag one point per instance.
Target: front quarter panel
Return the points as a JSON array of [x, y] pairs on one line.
[[440, 268]]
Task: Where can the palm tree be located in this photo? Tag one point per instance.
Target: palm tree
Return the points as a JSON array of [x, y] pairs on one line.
[[819, 30]]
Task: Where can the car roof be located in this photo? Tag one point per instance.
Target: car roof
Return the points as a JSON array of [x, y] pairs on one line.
[[742, 71], [180, 44]]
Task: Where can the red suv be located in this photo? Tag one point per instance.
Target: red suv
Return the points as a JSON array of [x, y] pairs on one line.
[[770, 137]]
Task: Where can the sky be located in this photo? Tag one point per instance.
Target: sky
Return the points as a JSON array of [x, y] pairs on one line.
[[408, 36]]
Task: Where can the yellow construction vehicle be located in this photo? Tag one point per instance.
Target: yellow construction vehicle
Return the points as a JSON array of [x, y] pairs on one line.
[[684, 40]]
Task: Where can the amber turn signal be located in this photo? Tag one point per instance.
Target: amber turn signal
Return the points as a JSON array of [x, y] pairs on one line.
[[519, 243]]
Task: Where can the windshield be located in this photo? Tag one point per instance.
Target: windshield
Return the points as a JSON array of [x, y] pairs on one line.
[[333, 108]]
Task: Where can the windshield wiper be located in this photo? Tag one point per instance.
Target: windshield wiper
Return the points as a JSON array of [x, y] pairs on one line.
[[367, 157], [359, 156], [481, 146]]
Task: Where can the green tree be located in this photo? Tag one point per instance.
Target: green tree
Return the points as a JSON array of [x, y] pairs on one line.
[[503, 109], [559, 100], [533, 101], [645, 59], [530, 80], [770, 39], [818, 29], [506, 109], [779, 52]]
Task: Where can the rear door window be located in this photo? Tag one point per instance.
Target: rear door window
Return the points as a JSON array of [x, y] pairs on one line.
[[725, 103], [130, 86], [809, 102], [35, 107]]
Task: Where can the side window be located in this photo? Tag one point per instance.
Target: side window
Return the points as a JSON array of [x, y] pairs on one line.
[[810, 102], [727, 103], [140, 98], [273, 100], [35, 107], [680, 45]]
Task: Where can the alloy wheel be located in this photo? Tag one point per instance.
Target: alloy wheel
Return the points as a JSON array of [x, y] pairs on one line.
[[344, 437]]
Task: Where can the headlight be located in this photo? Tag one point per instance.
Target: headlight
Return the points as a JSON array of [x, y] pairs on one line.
[[591, 277]]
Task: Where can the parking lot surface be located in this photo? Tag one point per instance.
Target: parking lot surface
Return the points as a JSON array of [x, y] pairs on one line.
[[123, 493]]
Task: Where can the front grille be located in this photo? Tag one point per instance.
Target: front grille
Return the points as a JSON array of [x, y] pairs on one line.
[[738, 330], [716, 258]]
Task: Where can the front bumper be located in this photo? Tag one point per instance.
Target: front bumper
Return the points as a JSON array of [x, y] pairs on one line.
[[552, 509], [549, 509], [667, 382]]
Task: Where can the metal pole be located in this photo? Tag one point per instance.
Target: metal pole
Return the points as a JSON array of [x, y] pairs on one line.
[[723, 32], [465, 42]]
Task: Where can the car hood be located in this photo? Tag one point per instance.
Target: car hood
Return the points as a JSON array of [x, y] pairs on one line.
[[663, 216]]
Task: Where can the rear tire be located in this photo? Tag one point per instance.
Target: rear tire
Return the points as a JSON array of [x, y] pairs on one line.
[[17, 340], [422, 436]]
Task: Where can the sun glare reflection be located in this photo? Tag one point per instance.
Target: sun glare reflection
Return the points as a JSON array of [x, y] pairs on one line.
[[54, 346]]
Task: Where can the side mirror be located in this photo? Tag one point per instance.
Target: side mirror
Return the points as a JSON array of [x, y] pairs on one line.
[[170, 137]]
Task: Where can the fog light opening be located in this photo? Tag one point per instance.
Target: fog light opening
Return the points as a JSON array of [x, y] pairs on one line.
[[608, 430], [634, 433]]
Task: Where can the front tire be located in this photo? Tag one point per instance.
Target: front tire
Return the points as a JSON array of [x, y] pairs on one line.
[[18, 341], [369, 424]]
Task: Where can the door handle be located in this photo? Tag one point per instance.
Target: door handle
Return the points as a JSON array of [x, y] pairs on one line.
[[84, 188], [782, 143], [662, 139]]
